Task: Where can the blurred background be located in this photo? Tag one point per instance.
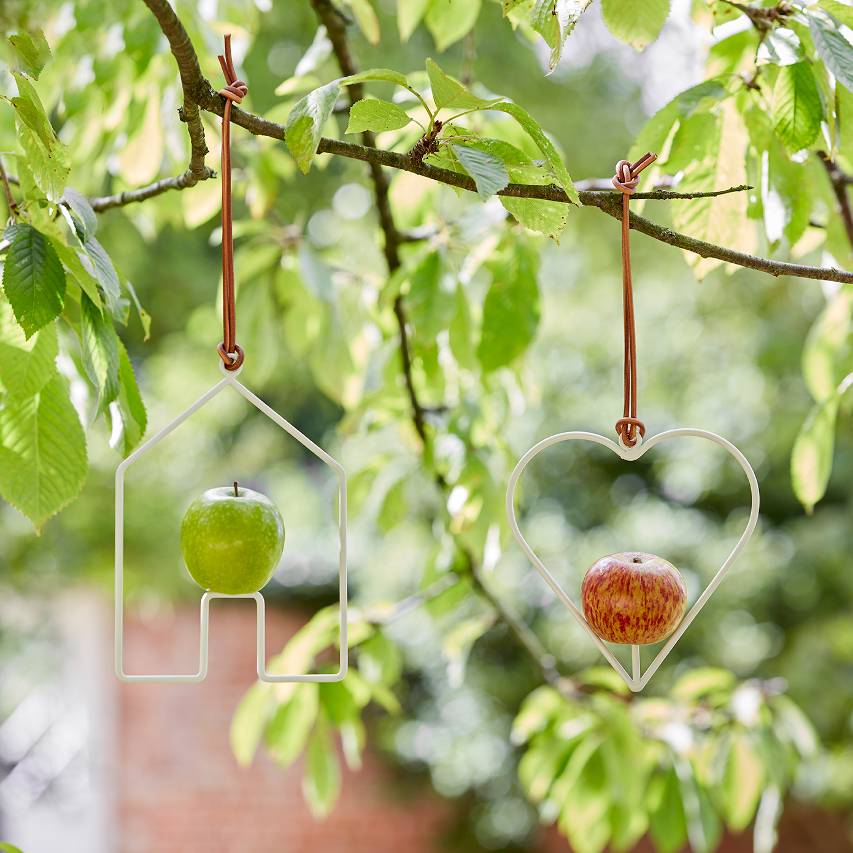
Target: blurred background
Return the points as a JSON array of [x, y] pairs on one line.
[[88, 764]]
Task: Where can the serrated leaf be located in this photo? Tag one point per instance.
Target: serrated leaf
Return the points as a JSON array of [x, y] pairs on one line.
[[549, 152], [488, 172], [450, 20], [510, 310], [305, 122], [106, 275], [42, 452], [100, 352], [376, 115], [32, 51], [31, 111], [833, 46], [82, 211], [249, 722], [811, 457], [447, 91], [409, 14], [25, 365], [321, 783], [742, 782], [637, 24], [797, 107], [716, 158], [78, 265], [33, 279], [129, 406], [290, 725], [554, 20]]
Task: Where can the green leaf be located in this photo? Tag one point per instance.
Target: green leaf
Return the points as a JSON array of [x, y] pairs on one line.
[[321, 783], [5, 847], [797, 107], [715, 159], [828, 350], [25, 365], [781, 46], [365, 17], [742, 782], [447, 91], [82, 212], [106, 275], [667, 824], [131, 409], [31, 112], [842, 12], [305, 122], [430, 302], [373, 114], [249, 722], [555, 20], [32, 51], [811, 458], [79, 267], [459, 641], [703, 681], [376, 75], [833, 46], [488, 172], [450, 20], [380, 660], [549, 152], [33, 279], [637, 24], [409, 14], [291, 724], [42, 452], [141, 313], [510, 310], [100, 352]]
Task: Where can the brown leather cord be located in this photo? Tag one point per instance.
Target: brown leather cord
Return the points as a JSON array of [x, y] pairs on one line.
[[626, 180], [229, 351]]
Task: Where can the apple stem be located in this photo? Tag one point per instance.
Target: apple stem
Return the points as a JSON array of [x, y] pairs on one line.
[[236, 493]]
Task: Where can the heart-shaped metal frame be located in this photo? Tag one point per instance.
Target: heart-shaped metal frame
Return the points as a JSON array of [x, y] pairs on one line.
[[637, 680]]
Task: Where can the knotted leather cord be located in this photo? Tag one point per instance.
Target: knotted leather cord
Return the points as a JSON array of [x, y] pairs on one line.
[[234, 92], [626, 180]]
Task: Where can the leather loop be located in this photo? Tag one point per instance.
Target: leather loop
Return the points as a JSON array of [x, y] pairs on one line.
[[629, 427]]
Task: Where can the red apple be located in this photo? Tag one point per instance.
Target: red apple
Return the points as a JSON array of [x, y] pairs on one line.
[[633, 598]]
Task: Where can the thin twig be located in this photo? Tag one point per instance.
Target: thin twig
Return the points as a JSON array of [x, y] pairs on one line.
[[839, 181], [7, 191], [179, 182]]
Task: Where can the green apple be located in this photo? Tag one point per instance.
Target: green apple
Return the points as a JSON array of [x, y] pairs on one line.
[[232, 539]]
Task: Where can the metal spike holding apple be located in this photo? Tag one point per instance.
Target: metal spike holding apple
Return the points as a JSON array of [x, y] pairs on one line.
[[633, 598], [231, 540]]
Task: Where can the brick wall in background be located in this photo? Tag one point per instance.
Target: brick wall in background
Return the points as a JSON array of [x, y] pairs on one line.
[[179, 789]]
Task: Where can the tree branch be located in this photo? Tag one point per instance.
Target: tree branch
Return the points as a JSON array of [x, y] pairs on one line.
[[840, 182], [335, 26], [198, 91], [179, 182]]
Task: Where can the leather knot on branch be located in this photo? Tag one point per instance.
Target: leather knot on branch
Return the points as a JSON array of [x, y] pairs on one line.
[[629, 427], [234, 92]]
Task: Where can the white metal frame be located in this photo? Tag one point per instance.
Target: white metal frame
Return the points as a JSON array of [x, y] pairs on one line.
[[637, 680], [230, 381]]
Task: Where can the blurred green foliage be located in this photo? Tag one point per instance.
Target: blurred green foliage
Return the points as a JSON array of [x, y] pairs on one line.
[[512, 336]]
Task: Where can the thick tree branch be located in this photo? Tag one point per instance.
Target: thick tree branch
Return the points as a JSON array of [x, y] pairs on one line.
[[179, 182], [335, 26], [196, 87], [198, 91]]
